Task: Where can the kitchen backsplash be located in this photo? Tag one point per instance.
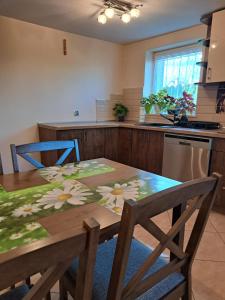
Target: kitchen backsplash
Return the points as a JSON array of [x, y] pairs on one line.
[[206, 106]]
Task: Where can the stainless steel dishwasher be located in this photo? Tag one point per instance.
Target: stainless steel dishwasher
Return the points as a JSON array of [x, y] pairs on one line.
[[186, 157]]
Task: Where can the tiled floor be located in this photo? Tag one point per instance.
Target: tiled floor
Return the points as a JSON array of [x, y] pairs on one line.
[[208, 271]]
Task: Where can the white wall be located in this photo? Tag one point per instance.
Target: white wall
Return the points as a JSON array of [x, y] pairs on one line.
[[39, 84]]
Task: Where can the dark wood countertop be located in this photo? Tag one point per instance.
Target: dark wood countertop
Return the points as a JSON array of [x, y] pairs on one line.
[[218, 133]]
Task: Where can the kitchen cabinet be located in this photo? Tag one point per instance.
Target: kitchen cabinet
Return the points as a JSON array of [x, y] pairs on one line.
[[111, 143], [125, 146], [147, 150], [94, 143], [218, 165], [216, 63], [91, 142], [139, 148]]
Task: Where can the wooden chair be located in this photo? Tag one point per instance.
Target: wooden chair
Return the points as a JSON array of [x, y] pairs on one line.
[[127, 269], [23, 150], [54, 255], [1, 168]]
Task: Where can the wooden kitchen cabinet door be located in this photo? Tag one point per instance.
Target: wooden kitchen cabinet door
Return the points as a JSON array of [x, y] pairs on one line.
[[125, 146], [147, 150], [140, 148], [111, 143], [94, 143], [155, 152]]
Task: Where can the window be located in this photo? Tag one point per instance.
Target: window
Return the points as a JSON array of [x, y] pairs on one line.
[[176, 71]]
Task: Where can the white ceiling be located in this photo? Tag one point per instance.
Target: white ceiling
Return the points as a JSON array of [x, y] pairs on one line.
[[80, 16]]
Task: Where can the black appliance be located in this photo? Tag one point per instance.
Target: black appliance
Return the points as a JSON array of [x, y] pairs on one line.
[[182, 121]]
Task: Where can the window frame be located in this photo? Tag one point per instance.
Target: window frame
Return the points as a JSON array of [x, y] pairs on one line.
[[167, 52]]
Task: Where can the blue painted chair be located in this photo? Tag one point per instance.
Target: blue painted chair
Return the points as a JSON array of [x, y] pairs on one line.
[[127, 269], [24, 150], [54, 255], [1, 168]]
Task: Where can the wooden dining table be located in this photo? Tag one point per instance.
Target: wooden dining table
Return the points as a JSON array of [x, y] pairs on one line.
[[109, 221]]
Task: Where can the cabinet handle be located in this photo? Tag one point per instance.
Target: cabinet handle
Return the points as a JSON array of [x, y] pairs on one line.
[[209, 73], [223, 188]]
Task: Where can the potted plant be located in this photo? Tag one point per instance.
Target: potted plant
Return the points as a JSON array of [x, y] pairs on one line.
[[120, 111], [162, 100], [184, 104], [148, 102]]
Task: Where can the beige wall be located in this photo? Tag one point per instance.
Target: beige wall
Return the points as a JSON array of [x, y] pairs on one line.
[[134, 54], [39, 84], [134, 69]]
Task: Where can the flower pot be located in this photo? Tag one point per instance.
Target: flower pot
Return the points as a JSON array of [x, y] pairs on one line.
[[121, 118], [148, 108]]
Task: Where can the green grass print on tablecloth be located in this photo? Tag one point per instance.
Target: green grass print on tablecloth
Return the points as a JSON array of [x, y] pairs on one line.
[[75, 170], [11, 226]]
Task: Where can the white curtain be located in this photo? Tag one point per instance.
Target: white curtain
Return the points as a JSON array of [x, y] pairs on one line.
[[176, 71]]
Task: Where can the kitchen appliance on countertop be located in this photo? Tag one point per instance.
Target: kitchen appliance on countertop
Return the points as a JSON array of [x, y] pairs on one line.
[[206, 125], [203, 125], [186, 157], [180, 120]]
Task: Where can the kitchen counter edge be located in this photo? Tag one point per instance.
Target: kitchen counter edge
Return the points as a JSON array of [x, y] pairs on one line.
[[217, 133]]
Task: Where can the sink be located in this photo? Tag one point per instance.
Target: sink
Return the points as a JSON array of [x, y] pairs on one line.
[[156, 125]]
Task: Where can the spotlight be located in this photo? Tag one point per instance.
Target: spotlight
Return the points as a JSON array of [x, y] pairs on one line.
[[126, 18]]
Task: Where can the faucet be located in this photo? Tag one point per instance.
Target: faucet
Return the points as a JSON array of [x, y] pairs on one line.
[[178, 118]]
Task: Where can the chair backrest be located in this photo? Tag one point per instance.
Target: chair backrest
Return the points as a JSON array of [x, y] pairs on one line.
[[54, 255], [1, 168], [202, 193], [23, 150]]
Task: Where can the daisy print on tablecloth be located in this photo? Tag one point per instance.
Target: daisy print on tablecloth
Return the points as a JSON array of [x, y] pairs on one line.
[[6, 204], [114, 197], [72, 192], [58, 173], [33, 226], [25, 210], [16, 236], [2, 219], [137, 183]]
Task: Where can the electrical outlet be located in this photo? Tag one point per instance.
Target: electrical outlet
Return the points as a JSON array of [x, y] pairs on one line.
[[76, 113]]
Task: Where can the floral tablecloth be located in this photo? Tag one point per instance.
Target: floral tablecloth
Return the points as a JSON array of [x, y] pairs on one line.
[[20, 210], [75, 171]]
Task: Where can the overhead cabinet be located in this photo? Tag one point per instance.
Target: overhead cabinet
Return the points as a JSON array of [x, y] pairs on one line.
[[216, 55]]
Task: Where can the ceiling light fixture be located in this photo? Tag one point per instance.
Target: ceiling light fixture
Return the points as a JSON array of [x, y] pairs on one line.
[[135, 12], [109, 12], [126, 18], [102, 19], [121, 8]]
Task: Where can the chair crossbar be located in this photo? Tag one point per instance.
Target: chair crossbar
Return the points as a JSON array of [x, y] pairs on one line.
[[64, 156], [31, 160], [154, 278], [154, 230], [136, 279], [46, 282]]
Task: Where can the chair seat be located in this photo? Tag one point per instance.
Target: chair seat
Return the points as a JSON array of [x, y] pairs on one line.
[[137, 256], [15, 294]]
